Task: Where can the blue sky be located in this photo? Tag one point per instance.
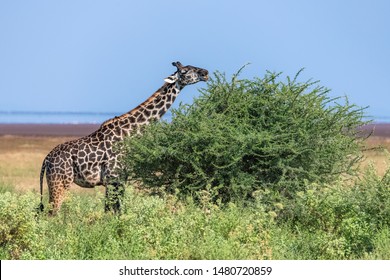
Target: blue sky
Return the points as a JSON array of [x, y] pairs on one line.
[[108, 56]]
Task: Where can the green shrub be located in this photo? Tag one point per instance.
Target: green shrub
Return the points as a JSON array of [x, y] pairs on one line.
[[331, 223], [372, 195], [382, 245], [241, 136], [340, 221], [18, 229]]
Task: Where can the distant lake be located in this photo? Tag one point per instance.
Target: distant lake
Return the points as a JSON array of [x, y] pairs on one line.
[[380, 119], [59, 117], [87, 117]]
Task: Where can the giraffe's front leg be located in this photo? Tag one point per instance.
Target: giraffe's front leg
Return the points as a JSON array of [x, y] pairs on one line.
[[114, 186], [114, 197]]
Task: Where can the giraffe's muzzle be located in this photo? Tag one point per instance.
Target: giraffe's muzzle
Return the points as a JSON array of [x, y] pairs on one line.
[[204, 75]]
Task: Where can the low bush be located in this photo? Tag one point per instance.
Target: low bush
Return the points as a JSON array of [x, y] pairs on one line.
[[150, 227], [18, 229], [338, 221], [333, 225], [325, 221]]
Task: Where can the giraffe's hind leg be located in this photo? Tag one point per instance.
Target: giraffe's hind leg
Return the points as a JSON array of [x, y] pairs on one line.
[[114, 197], [57, 191]]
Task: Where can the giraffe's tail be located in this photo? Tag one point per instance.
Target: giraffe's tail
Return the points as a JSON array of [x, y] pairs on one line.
[[43, 169]]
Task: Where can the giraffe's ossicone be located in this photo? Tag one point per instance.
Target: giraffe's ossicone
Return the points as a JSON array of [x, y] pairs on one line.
[[91, 160]]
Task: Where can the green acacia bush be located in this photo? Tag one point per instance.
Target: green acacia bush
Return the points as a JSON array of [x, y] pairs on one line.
[[242, 135]]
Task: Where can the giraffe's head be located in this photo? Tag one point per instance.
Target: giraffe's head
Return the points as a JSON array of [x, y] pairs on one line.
[[186, 75]]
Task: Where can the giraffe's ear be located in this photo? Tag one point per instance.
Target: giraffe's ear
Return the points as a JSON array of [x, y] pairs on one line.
[[171, 79]]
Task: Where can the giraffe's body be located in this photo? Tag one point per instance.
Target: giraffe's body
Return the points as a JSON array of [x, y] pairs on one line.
[[91, 160]]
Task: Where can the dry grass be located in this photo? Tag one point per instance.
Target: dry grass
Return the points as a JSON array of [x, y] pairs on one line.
[[377, 154], [21, 158]]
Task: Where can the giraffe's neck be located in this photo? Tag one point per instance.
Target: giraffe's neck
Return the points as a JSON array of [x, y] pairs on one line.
[[152, 108]]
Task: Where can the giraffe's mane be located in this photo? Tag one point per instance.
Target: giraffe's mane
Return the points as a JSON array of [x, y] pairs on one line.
[[134, 110]]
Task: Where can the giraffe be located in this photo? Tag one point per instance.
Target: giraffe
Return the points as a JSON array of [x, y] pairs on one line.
[[91, 160]]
